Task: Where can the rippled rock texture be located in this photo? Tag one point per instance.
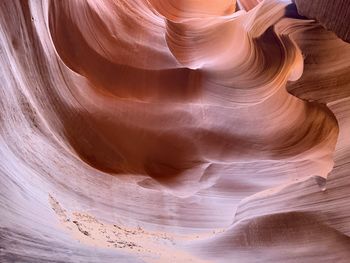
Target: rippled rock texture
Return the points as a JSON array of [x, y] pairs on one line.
[[173, 131], [332, 14]]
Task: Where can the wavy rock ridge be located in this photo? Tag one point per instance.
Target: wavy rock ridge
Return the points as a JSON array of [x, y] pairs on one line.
[[173, 131]]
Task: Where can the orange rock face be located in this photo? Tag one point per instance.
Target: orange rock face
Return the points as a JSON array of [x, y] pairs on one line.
[[173, 131]]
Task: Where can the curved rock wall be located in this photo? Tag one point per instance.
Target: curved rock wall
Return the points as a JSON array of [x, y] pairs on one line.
[[172, 131]]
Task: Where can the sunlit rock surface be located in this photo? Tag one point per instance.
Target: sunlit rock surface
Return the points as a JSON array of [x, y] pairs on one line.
[[173, 131]]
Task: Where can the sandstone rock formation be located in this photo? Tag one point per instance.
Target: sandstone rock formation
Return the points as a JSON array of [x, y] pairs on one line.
[[173, 131], [332, 14]]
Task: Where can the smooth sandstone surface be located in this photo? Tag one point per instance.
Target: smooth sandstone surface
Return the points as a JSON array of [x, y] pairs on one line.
[[173, 131]]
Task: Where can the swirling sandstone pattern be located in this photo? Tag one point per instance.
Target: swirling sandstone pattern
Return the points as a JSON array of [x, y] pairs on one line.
[[172, 131]]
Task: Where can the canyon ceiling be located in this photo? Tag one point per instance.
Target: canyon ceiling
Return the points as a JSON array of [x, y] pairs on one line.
[[174, 131]]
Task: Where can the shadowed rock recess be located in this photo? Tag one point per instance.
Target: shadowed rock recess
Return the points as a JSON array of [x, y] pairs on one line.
[[174, 131]]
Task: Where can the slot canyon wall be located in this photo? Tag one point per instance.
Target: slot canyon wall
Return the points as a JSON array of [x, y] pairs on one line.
[[174, 131]]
